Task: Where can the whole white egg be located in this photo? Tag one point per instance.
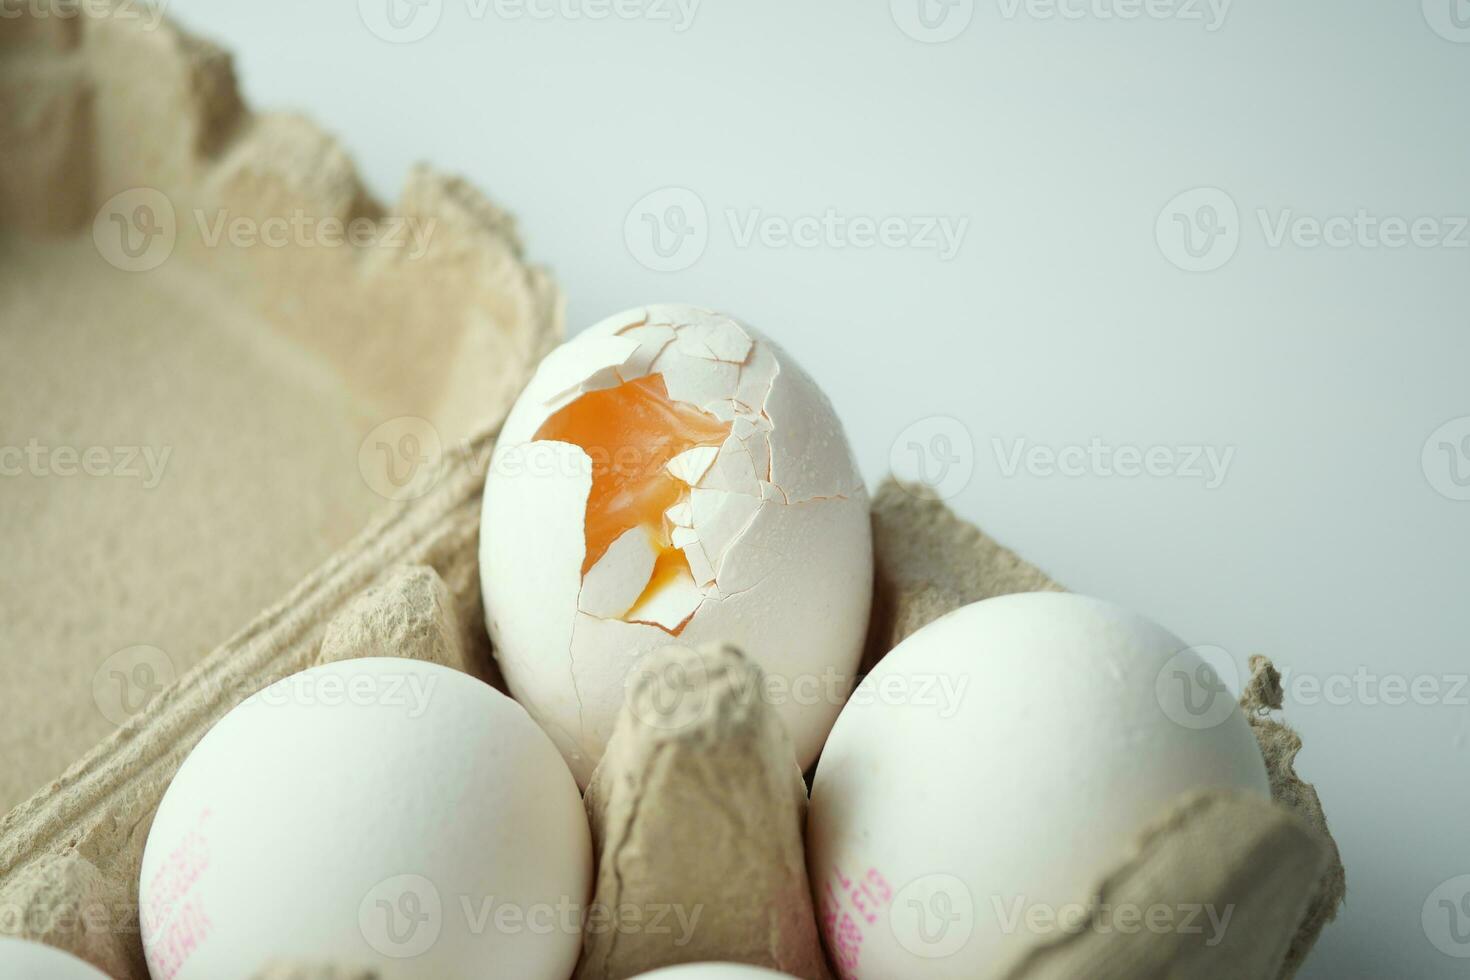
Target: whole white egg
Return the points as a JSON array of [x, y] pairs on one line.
[[32, 961], [993, 767], [671, 474], [383, 812], [713, 971]]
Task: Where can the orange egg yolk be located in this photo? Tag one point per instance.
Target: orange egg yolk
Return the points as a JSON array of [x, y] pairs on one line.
[[630, 432]]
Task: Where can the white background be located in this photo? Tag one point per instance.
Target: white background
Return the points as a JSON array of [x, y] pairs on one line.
[[1331, 544]]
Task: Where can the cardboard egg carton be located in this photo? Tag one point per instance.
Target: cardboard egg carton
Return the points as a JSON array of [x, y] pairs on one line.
[[97, 105], [409, 587], [178, 293]]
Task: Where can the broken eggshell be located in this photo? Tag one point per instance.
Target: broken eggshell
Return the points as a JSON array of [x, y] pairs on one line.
[[765, 541]]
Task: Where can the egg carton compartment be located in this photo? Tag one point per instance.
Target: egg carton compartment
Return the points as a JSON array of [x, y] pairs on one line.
[[198, 375], [99, 106], [78, 845]]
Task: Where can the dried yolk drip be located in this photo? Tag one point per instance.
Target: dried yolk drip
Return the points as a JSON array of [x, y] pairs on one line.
[[630, 432]]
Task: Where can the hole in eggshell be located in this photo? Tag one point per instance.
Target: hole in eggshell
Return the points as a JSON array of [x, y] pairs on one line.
[[630, 432]]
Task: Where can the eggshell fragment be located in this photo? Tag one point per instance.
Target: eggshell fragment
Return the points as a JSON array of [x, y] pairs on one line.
[[369, 811], [691, 465], [669, 607], [990, 770], [778, 548], [613, 585]]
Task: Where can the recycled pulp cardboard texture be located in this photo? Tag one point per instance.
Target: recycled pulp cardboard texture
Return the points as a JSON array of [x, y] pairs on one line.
[[76, 847], [698, 806], [259, 370]]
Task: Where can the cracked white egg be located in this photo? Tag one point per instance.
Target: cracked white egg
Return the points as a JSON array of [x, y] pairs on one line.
[[672, 473], [993, 767]]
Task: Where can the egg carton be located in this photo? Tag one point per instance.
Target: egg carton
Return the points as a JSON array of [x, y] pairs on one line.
[[132, 318], [408, 585]]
